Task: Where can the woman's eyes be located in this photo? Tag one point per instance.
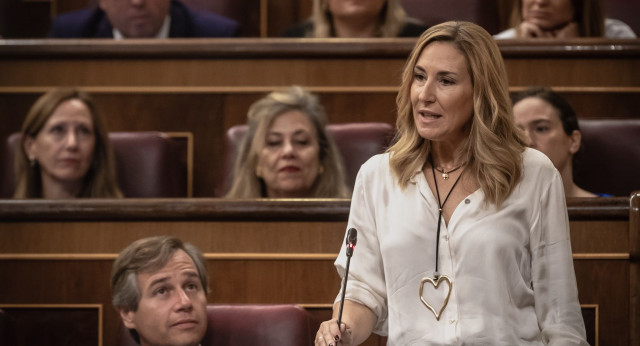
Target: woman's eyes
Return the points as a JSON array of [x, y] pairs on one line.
[[541, 129]]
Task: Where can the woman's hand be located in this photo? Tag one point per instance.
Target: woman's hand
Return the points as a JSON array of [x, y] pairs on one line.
[[329, 334]]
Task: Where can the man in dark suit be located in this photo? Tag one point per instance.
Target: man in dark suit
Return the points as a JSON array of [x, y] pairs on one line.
[[141, 19]]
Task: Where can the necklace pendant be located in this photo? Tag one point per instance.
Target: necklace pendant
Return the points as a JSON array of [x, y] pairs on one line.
[[445, 176]]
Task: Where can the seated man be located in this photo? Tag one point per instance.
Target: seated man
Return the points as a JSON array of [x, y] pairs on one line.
[[159, 287], [141, 19]]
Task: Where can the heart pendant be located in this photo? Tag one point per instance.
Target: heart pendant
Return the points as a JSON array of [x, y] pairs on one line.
[[436, 283]]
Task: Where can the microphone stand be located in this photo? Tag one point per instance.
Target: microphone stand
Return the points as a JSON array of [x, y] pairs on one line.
[[352, 236]]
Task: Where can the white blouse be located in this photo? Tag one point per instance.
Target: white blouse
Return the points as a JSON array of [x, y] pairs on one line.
[[512, 268]]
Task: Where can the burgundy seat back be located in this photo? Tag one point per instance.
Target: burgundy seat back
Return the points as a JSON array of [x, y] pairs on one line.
[[432, 12], [357, 142], [148, 165], [609, 158], [250, 325]]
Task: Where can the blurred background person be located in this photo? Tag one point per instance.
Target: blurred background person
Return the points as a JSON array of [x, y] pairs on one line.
[[287, 152], [357, 18], [457, 185], [563, 19], [551, 126], [64, 150], [141, 19]]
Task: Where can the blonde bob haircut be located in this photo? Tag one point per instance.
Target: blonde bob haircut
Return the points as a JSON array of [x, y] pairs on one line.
[[391, 21], [100, 180], [588, 14], [330, 183], [493, 148]]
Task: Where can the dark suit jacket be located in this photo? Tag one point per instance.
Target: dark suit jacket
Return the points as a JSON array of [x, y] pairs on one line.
[[185, 22]]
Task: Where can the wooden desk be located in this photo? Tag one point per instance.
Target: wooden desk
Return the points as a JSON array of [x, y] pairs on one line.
[[271, 252]]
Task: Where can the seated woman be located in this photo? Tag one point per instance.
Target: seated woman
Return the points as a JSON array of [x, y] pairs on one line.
[[65, 151], [371, 18], [286, 152], [551, 126], [563, 19]]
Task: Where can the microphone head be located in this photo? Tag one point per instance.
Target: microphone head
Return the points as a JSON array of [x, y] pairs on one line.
[[352, 236], [352, 239]]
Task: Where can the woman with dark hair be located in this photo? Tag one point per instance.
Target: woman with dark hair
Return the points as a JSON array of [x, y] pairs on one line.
[[563, 19], [463, 234], [64, 151], [551, 126]]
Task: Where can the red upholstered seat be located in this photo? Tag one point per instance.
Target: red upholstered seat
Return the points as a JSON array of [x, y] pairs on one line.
[[148, 164], [357, 142], [250, 325], [432, 12], [609, 158]]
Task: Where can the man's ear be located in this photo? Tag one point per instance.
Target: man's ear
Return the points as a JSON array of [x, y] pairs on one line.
[[127, 316], [576, 139]]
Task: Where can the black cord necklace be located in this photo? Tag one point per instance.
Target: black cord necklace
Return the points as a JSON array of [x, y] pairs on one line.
[[437, 279], [440, 207], [445, 174]]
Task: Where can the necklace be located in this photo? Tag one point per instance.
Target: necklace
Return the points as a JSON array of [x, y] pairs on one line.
[[445, 174], [437, 277]]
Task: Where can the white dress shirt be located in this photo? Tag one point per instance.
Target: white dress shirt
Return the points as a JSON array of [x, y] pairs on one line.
[[512, 268]]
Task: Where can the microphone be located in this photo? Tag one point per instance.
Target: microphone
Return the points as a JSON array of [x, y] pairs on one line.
[[352, 238]]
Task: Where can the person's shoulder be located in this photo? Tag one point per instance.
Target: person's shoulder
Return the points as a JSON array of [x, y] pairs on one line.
[[412, 28], [506, 34], [615, 28], [77, 24], [188, 22], [536, 162], [376, 164], [302, 29]]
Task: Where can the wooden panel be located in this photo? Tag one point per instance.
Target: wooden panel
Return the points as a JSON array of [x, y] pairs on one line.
[[53, 324]]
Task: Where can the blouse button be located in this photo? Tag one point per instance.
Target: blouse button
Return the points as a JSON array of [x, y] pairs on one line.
[[446, 237], [467, 201]]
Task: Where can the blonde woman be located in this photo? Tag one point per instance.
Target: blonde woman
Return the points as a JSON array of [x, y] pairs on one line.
[[463, 235], [64, 150], [287, 152], [347, 18]]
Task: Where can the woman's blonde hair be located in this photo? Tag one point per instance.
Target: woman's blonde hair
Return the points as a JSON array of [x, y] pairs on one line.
[[493, 148], [100, 180], [246, 184], [588, 14], [391, 21]]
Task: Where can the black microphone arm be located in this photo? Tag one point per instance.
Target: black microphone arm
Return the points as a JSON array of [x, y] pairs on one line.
[[352, 238]]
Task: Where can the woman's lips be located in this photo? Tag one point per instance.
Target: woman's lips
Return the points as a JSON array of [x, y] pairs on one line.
[[289, 169]]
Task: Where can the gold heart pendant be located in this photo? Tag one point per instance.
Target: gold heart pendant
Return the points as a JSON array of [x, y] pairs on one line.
[[435, 284]]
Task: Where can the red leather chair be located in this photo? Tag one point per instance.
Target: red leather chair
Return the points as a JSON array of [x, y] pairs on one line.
[[357, 142], [432, 12], [148, 165], [609, 158], [251, 325]]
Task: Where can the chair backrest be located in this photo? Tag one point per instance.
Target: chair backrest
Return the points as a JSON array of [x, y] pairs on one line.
[[432, 12], [609, 158], [249, 325], [148, 164], [357, 142]]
